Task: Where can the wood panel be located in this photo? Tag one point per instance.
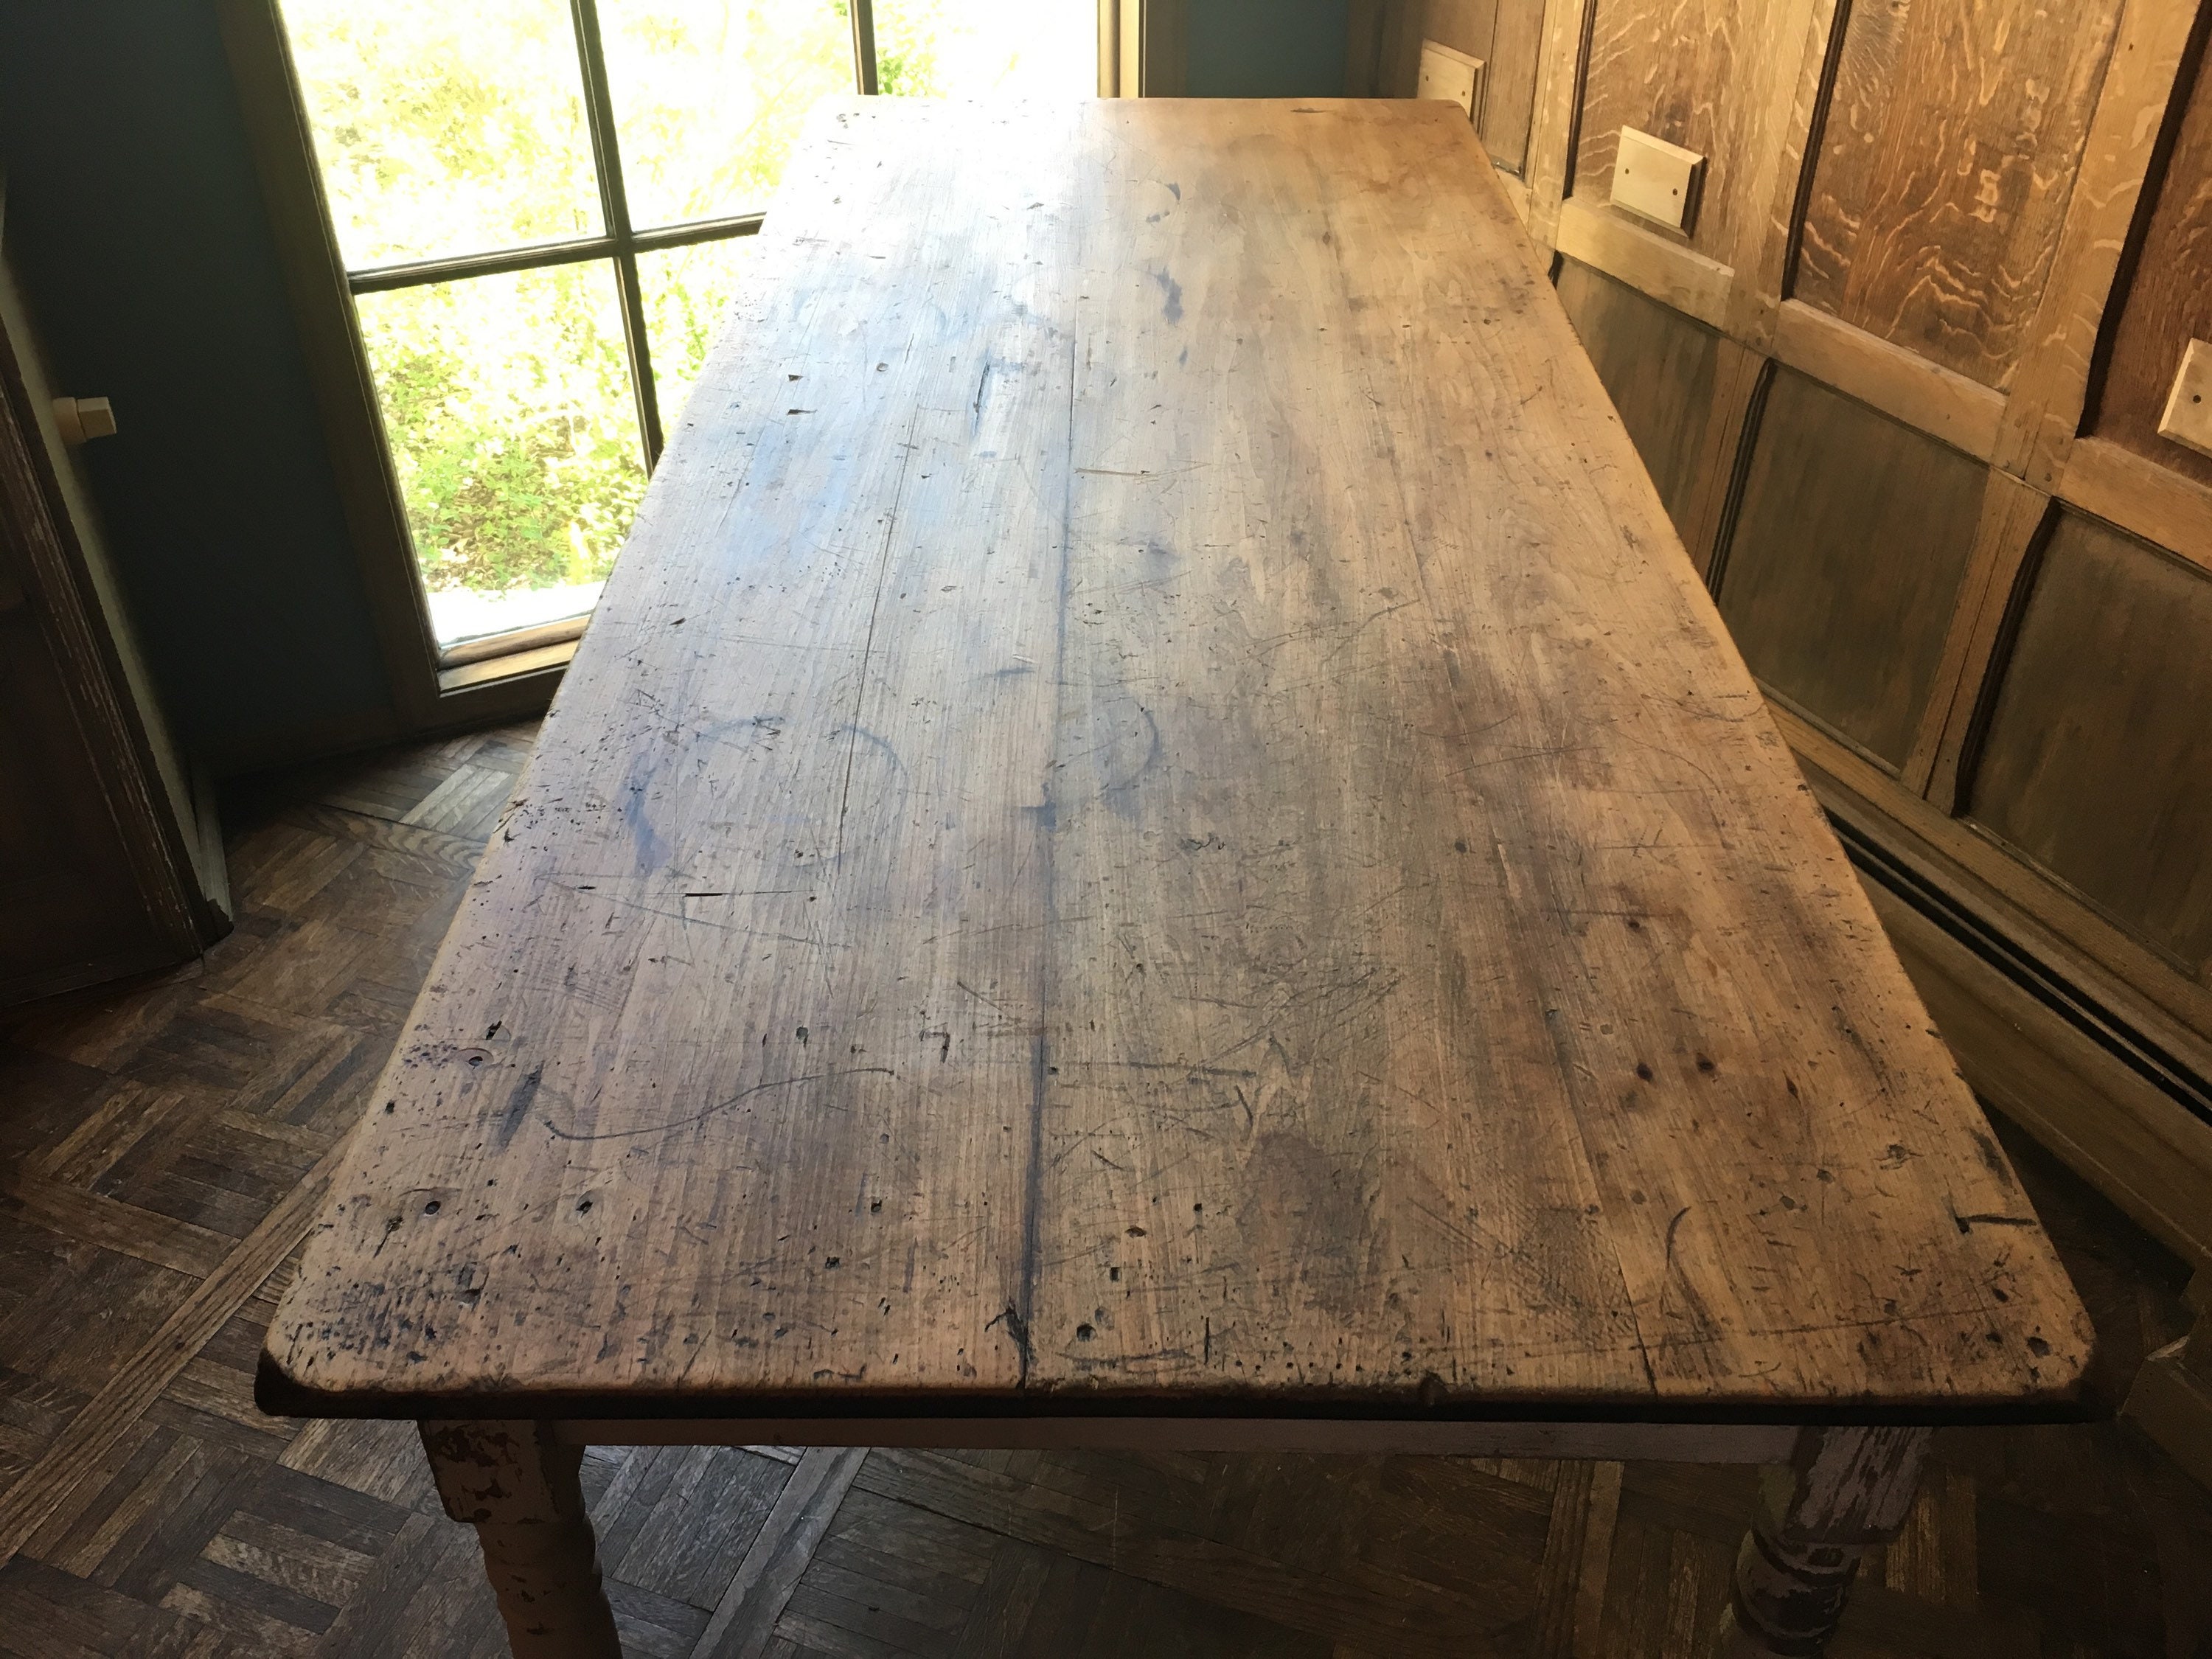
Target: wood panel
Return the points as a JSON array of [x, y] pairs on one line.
[[1507, 35], [1949, 155], [1659, 368], [2169, 300], [1845, 564], [1723, 78], [2097, 764], [1683, 72]]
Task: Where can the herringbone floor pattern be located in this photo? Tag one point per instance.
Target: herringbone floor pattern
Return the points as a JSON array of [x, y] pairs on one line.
[[162, 1151]]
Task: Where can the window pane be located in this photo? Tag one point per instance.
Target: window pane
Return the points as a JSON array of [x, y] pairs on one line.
[[508, 401], [709, 96], [445, 128], [688, 292], [988, 48]]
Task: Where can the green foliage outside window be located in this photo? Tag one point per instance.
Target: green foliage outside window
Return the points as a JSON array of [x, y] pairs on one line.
[[446, 129]]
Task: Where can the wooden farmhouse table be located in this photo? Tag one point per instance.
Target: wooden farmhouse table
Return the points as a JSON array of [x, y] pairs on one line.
[[1155, 844]]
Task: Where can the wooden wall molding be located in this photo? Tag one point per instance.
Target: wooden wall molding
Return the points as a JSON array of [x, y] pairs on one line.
[[2051, 386], [1941, 402], [1791, 108], [1554, 123], [1670, 273], [2142, 497], [2012, 515]]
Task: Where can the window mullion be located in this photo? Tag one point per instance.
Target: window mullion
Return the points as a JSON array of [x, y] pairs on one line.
[[614, 207], [864, 47]]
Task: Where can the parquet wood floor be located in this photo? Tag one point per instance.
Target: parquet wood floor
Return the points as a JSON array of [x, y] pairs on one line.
[[162, 1151]]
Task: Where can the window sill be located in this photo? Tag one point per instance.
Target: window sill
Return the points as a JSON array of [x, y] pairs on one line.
[[545, 659]]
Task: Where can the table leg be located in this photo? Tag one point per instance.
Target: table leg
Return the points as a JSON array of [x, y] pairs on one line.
[[520, 1492], [1848, 1489]]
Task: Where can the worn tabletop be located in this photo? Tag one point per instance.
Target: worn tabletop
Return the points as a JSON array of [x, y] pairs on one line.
[[1155, 820]]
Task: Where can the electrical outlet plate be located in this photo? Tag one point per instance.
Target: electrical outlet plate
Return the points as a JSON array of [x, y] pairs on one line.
[[1656, 180], [1451, 75], [2188, 417]]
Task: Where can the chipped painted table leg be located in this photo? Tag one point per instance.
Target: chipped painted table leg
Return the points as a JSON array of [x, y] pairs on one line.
[[520, 1492], [1848, 1489]]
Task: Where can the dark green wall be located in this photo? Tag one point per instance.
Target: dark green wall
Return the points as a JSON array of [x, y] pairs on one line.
[[138, 233], [1265, 48]]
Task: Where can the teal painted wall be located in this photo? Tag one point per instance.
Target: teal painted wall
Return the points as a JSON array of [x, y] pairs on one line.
[[138, 231], [1265, 48]]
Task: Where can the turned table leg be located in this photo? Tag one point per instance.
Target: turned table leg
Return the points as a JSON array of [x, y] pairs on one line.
[[520, 1491], [1848, 1489]]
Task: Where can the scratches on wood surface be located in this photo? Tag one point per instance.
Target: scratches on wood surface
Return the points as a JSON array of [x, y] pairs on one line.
[[1189, 835]]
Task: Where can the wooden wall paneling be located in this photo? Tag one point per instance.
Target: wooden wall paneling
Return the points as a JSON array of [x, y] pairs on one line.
[[2097, 765], [1904, 386], [1681, 389], [1947, 159], [1508, 35], [1703, 73], [1668, 270], [1742, 379], [1797, 104], [2013, 516], [2142, 496], [1554, 122], [2136, 118], [2169, 302], [1845, 561], [1671, 70], [2083, 945]]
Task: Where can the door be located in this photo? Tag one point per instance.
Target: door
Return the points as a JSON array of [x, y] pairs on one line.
[[109, 860]]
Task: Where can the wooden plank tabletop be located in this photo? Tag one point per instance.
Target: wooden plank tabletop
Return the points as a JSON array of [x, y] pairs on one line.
[[1155, 820]]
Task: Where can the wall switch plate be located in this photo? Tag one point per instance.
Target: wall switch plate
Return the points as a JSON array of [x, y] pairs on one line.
[[2188, 417], [1656, 179], [1451, 75]]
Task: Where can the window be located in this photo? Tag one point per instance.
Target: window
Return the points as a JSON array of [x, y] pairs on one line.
[[540, 208]]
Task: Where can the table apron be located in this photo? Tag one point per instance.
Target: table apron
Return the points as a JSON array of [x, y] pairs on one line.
[[1687, 1443]]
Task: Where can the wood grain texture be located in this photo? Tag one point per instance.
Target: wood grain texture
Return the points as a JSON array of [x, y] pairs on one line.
[[1850, 549], [1553, 123], [1508, 36], [2051, 388], [209, 1540], [1048, 883], [2013, 518], [1668, 70], [1659, 368], [2142, 497], [2169, 302], [2098, 762], [1941, 185], [1902, 384], [1675, 275], [1717, 76]]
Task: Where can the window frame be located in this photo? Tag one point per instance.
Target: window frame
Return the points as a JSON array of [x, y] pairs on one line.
[[507, 676]]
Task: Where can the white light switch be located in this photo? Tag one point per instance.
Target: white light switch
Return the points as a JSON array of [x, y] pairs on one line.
[[1451, 75], [1656, 180], [2188, 417]]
